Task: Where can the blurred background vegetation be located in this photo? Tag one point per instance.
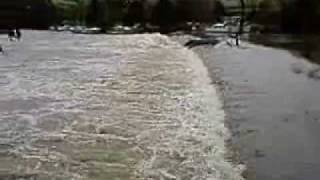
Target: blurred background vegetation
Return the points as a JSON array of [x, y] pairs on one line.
[[285, 16], [289, 16]]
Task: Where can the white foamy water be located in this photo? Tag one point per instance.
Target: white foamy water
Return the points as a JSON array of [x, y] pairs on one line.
[[109, 107]]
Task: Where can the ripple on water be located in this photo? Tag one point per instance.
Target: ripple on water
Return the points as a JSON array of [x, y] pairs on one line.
[[129, 107]]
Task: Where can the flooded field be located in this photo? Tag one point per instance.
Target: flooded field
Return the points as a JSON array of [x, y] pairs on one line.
[[272, 102], [108, 107]]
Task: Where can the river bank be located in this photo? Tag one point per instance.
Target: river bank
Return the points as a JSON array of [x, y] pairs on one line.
[[272, 105]]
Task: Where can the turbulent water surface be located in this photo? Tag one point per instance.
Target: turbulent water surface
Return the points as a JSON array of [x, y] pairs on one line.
[[108, 107]]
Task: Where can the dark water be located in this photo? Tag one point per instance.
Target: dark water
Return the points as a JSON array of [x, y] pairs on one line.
[[306, 46], [273, 101]]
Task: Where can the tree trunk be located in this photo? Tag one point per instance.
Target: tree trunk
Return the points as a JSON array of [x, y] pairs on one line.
[[242, 20]]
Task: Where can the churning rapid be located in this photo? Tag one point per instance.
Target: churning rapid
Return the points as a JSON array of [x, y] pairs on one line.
[[109, 107]]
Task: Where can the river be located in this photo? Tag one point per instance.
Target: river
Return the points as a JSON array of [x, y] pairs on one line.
[[116, 107], [273, 105]]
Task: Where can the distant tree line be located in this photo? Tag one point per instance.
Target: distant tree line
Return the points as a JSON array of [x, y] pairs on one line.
[[163, 13], [291, 16], [105, 13], [172, 13]]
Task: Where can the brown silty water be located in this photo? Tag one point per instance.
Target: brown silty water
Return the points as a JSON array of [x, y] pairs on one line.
[[108, 107]]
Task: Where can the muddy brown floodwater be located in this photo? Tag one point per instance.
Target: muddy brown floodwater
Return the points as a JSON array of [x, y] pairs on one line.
[[106, 107], [273, 103]]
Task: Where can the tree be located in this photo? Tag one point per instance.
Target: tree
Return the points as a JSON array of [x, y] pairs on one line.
[[242, 20], [81, 10], [219, 11], [93, 13], [134, 13], [97, 13], [164, 13]]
